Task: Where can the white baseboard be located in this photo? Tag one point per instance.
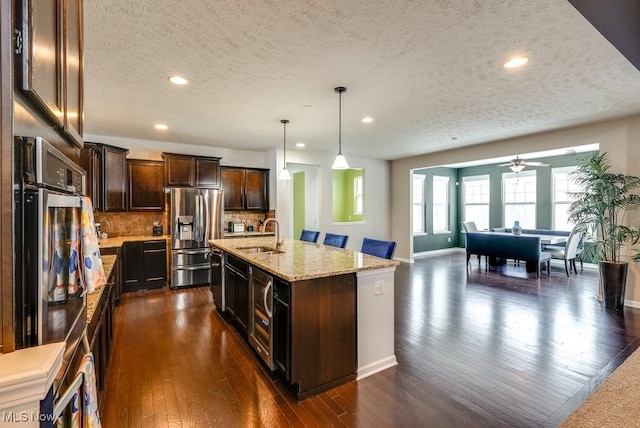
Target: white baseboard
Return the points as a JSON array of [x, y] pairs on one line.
[[376, 367]]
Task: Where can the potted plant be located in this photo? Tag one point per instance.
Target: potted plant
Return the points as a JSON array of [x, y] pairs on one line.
[[599, 211]]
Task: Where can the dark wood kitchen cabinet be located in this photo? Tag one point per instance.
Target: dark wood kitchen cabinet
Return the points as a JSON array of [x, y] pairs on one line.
[[106, 168], [245, 188], [49, 40], [191, 171], [144, 264], [236, 285], [145, 192]]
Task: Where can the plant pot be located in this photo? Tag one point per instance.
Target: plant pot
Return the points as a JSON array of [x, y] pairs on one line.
[[613, 277]]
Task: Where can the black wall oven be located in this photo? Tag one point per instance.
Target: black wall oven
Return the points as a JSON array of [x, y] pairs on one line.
[[50, 304]]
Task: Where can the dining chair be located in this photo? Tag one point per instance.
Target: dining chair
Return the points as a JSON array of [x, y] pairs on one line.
[[309, 235], [378, 248], [469, 226], [335, 240], [569, 252]]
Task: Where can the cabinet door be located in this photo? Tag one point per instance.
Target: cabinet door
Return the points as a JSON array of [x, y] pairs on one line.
[[207, 172], [90, 160], [154, 263], [73, 83], [179, 170], [114, 168], [131, 265], [232, 186], [230, 291], [242, 301], [145, 185], [42, 56], [256, 189]]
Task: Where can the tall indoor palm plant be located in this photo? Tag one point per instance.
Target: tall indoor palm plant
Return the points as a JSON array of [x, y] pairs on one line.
[[599, 211]]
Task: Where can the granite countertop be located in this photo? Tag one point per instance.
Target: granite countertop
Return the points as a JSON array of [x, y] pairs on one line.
[[93, 298], [303, 260], [119, 240]]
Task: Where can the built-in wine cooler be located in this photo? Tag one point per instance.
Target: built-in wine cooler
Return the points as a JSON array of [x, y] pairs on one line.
[[260, 321]]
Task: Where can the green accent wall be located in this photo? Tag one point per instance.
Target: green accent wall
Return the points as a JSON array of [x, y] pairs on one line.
[[344, 195], [299, 195]]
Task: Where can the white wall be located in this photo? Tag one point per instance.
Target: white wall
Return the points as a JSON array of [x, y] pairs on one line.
[[619, 138]]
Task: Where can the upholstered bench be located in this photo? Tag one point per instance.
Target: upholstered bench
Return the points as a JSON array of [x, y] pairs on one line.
[[518, 247]]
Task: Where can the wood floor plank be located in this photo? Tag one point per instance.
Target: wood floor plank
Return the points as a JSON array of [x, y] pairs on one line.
[[475, 348]]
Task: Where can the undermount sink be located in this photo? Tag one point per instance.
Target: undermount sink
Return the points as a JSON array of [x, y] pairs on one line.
[[260, 250]]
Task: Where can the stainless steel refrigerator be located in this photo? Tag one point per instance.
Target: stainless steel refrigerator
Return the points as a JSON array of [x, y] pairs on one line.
[[196, 217]]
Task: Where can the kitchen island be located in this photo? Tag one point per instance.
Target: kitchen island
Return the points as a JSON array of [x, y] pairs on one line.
[[332, 309]]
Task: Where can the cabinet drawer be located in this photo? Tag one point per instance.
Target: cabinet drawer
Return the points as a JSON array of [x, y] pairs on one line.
[[154, 245]]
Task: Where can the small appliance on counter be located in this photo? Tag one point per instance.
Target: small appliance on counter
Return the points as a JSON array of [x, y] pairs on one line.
[[238, 227], [157, 229]]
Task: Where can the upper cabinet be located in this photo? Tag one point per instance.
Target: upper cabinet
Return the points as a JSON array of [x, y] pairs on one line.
[[245, 188], [106, 168], [191, 171], [49, 43], [145, 191]]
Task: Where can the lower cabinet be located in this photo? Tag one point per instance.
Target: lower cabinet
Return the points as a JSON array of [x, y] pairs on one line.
[[282, 327], [100, 335], [144, 264], [116, 272], [236, 283]]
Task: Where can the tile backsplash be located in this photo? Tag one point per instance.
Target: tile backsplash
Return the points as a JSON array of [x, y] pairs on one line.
[[141, 223], [131, 223]]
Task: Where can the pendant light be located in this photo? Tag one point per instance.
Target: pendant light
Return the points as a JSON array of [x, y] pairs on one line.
[[340, 162], [284, 174]]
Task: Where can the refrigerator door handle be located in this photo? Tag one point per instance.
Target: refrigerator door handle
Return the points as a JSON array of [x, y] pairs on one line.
[[198, 222]]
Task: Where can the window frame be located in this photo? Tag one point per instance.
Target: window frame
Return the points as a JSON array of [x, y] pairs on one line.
[[470, 178], [527, 174], [422, 204], [447, 204]]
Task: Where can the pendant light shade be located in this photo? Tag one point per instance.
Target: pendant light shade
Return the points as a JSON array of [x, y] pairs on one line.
[[340, 162], [284, 174]]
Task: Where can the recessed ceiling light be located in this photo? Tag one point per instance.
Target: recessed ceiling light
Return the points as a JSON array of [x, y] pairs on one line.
[[516, 61], [299, 144], [178, 80], [308, 107], [366, 119], [161, 126]]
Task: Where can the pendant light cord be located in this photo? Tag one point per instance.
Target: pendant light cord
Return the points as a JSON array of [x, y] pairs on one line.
[[340, 123]]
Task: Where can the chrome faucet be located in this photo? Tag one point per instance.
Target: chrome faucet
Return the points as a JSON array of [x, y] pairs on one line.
[[277, 226]]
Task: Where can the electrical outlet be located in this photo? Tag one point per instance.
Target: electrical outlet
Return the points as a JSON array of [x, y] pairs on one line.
[[448, 239], [378, 287]]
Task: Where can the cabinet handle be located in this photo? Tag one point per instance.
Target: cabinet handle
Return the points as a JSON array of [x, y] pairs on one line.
[[264, 298]]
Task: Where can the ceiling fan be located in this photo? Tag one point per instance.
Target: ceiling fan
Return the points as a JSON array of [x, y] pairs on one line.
[[516, 165]]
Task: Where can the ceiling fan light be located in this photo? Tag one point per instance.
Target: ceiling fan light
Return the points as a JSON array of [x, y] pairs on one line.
[[516, 168]]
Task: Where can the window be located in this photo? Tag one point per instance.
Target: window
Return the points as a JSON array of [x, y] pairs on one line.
[[358, 196], [519, 199], [563, 185], [418, 203], [475, 200], [440, 204]]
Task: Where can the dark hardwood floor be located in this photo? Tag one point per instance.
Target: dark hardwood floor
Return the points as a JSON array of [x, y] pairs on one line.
[[475, 348]]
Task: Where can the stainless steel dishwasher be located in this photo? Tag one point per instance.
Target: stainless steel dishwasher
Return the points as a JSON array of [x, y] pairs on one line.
[[260, 321]]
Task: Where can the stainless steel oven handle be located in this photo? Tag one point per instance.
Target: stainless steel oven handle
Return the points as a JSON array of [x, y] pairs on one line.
[[197, 267], [264, 297]]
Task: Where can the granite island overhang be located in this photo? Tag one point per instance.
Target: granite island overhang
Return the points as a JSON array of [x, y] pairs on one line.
[[316, 272]]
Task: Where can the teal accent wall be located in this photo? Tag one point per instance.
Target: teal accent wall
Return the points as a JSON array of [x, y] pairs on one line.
[[544, 195]]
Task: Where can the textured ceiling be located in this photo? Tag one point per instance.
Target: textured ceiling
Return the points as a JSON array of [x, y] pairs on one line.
[[429, 72]]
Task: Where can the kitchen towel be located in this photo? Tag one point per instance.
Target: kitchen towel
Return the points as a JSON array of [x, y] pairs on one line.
[[74, 244], [84, 404], [92, 270]]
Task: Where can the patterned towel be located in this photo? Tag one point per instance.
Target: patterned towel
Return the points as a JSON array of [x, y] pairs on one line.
[[84, 404], [92, 272]]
